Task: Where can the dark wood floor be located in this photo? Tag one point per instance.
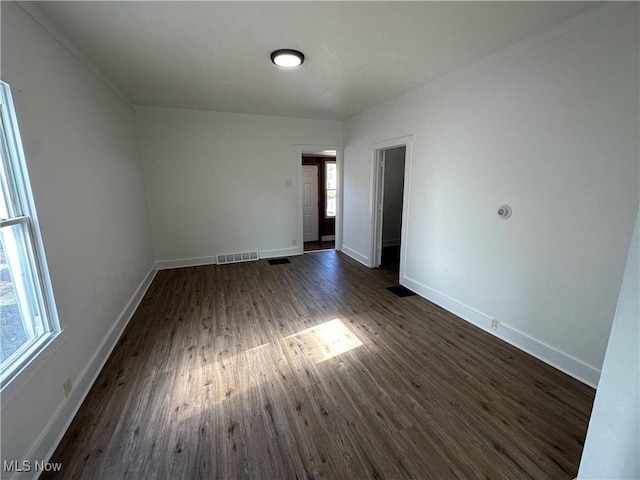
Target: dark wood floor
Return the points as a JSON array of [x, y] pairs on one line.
[[319, 245], [314, 370]]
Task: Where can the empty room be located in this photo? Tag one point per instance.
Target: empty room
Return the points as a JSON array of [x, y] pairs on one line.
[[339, 240]]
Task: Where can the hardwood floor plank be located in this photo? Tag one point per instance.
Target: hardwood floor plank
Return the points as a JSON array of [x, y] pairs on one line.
[[314, 370]]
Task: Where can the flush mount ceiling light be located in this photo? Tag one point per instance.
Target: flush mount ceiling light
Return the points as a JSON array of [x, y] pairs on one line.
[[287, 57]]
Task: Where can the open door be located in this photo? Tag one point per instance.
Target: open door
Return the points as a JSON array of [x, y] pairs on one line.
[[389, 205], [310, 205], [379, 207], [390, 199]]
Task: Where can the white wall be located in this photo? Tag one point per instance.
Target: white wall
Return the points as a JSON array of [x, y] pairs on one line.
[[216, 181], [393, 190], [549, 126], [612, 447], [82, 154]]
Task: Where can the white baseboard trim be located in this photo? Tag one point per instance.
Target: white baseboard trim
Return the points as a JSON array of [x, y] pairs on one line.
[[51, 436], [186, 262], [392, 242], [452, 305], [327, 238], [213, 260], [281, 252], [549, 355], [363, 259], [557, 359]]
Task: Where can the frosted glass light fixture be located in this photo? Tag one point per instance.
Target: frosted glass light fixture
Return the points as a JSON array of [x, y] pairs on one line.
[[287, 58]]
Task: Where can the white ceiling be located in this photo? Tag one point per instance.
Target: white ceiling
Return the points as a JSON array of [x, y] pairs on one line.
[[215, 55]]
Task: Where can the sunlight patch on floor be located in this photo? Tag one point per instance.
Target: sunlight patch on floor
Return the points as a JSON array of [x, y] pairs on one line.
[[326, 340], [244, 373]]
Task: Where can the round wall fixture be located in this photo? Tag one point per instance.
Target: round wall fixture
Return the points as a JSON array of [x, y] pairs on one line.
[[504, 211], [286, 57]]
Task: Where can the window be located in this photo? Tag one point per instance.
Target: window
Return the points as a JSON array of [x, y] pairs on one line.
[[27, 323], [330, 190]]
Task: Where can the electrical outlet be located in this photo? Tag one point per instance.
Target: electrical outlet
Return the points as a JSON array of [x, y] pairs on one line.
[[294, 242], [494, 324], [287, 182], [68, 386]]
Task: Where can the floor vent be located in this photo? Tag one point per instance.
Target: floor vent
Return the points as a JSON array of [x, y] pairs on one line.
[[401, 291], [237, 257], [278, 261]]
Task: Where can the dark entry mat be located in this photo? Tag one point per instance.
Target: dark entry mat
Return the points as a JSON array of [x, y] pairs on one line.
[[401, 291], [278, 261]]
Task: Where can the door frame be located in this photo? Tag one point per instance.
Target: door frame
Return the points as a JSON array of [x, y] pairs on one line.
[[315, 150], [377, 198]]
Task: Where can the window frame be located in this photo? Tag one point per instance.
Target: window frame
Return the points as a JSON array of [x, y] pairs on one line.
[[21, 213], [327, 190]]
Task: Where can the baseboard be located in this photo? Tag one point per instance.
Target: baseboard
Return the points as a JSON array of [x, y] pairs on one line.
[[557, 359], [452, 305], [51, 436], [363, 259], [327, 238], [213, 260], [549, 355], [281, 252], [186, 262]]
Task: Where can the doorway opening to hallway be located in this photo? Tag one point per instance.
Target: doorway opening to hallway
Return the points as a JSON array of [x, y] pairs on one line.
[[319, 200]]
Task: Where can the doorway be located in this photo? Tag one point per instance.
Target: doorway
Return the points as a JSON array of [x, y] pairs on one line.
[[391, 174], [319, 200], [393, 161]]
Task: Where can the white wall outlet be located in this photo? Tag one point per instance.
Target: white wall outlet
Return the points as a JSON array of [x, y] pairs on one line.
[[288, 183], [294, 242], [494, 324], [68, 386]]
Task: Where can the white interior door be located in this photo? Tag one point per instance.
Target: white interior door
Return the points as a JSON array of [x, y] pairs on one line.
[[310, 203]]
